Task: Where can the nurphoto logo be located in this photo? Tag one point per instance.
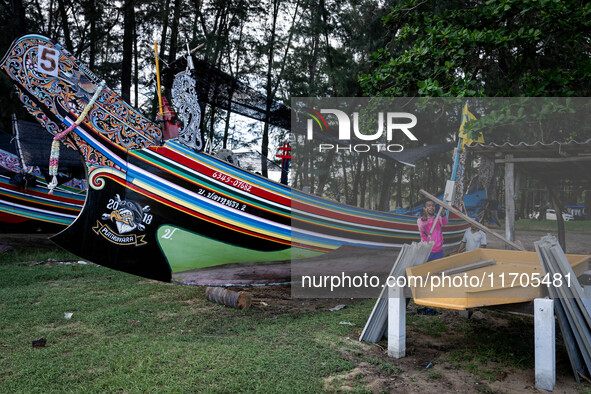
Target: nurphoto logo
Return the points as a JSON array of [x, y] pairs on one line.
[[391, 122]]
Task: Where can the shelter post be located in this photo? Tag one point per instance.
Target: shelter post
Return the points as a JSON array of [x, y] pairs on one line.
[[509, 198], [558, 206]]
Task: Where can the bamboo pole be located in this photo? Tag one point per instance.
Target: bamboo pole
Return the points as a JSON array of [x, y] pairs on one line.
[[160, 105], [470, 220]]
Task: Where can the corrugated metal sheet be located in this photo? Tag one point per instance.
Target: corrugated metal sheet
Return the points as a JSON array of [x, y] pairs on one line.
[[409, 256], [571, 305], [552, 149], [551, 162]]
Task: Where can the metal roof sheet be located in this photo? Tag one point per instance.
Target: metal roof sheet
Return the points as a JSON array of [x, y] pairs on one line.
[[551, 162], [561, 148]]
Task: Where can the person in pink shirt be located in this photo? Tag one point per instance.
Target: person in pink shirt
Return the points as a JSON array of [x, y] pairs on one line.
[[425, 224]]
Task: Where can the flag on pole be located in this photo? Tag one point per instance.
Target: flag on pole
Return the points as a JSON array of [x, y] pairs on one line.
[[466, 117]]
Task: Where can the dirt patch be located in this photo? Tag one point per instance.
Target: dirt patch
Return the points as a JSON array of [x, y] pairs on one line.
[[36, 239], [456, 361], [278, 299]]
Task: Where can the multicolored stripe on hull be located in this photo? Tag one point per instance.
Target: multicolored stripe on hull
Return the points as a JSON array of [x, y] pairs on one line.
[[156, 208], [35, 202]]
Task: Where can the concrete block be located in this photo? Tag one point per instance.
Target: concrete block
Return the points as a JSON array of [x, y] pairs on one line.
[[545, 344], [396, 322]]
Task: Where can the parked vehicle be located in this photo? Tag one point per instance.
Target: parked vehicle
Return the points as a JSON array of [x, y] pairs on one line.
[[551, 215]]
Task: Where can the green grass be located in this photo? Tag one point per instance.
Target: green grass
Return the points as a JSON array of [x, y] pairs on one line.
[[432, 326], [26, 254], [384, 365], [545, 226], [509, 346], [434, 375], [134, 335]]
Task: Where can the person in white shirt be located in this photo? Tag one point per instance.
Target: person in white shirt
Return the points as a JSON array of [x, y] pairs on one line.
[[473, 239]]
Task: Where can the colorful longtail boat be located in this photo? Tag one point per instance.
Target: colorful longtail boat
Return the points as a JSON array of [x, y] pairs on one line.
[[31, 200], [159, 208]]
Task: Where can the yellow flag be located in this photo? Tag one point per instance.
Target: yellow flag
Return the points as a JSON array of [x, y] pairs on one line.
[[466, 117]]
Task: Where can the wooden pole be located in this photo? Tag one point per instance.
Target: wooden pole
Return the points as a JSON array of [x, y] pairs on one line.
[[556, 203], [509, 198], [471, 221], [434, 223], [160, 105]]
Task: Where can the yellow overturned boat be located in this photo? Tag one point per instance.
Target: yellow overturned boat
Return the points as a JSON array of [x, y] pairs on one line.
[[486, 277]]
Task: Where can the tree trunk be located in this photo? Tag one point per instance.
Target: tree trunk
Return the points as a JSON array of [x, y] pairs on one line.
[[174, 34], [234, 299], [324, 170], [411, 197], [238, 45], [136, 77], [399, 173], [364, 180], [128, 39], [50, 20], [269, 87], [509, 199], [315, 31], [92, 15], [345, 181], [161, 49], [356, 181], [18, 20], [65, 25], [386, 182]]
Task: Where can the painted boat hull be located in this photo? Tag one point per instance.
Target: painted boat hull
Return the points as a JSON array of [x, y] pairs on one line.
[[156, 209], [36, 203], [19, 204]]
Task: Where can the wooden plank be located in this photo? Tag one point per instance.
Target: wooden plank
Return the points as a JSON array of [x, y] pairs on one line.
[[470, 220], [468, 267]]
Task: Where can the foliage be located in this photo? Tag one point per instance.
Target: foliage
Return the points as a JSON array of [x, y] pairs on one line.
[[335, 48], [484, 48], [498, 48], [549, 226]]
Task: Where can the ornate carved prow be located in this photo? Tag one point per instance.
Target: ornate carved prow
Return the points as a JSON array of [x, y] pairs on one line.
[[184, 98]]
